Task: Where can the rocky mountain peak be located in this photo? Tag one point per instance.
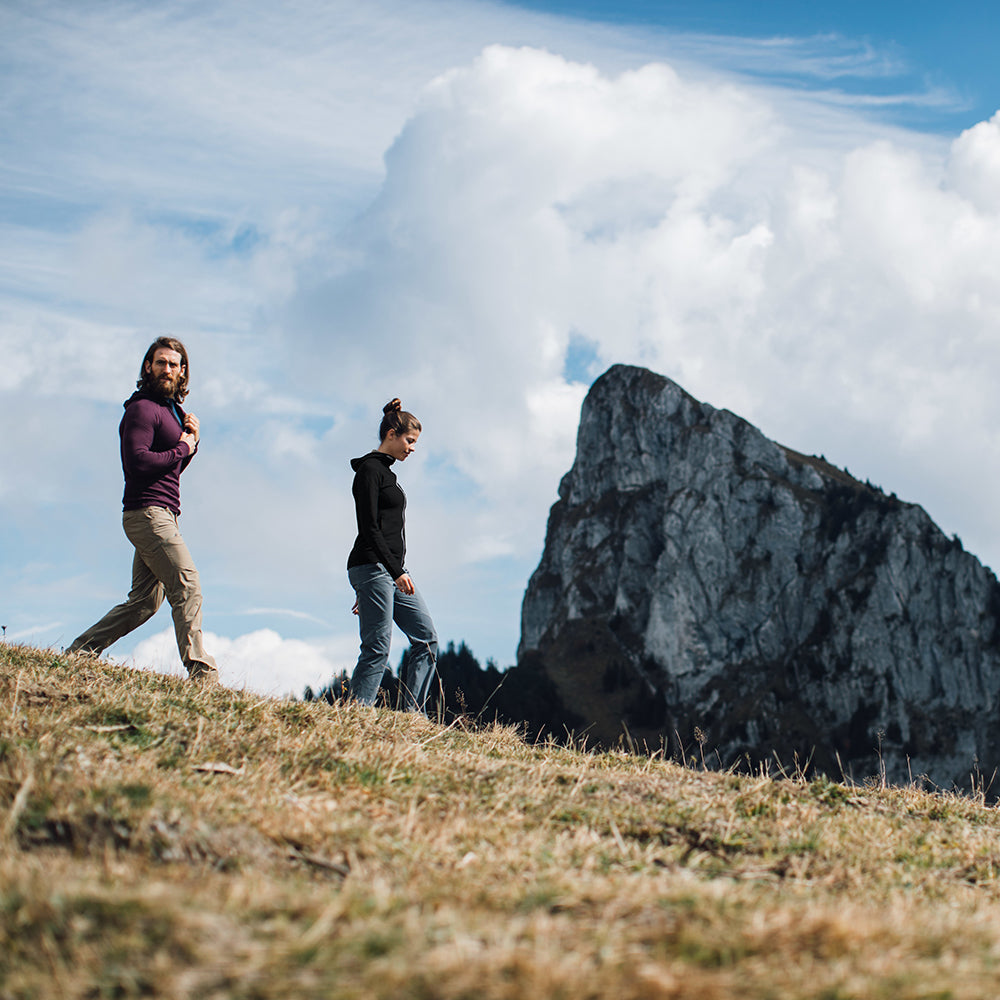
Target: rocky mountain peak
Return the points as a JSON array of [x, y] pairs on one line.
[[701, 582]]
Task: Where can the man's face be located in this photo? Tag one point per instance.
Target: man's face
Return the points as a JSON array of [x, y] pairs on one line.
[[166, 369]]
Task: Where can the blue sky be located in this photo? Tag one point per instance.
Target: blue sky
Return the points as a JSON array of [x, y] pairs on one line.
[[928, 44], [477, 207]]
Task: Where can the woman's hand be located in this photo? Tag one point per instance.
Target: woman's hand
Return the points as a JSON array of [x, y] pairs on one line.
[[404, 583]]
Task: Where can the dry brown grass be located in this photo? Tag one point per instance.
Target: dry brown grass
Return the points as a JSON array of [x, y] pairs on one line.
[[161, 841]]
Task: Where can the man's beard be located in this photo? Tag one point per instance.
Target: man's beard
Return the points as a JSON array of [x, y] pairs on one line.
[[166, 385]]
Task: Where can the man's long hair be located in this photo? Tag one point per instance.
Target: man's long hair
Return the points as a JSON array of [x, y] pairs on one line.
[[145, 380]]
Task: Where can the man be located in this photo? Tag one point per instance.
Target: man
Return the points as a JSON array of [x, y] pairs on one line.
[[158, 441]]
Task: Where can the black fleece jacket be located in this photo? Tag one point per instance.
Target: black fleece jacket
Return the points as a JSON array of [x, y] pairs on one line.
[[380, 504]]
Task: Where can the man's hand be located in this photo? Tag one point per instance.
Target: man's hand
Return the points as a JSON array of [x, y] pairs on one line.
[[191, 432], [405, 584]]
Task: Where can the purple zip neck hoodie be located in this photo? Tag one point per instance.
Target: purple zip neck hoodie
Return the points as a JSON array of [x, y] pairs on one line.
[[153, 455]]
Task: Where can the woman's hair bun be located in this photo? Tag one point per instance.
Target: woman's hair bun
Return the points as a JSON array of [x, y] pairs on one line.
[[397, 420]]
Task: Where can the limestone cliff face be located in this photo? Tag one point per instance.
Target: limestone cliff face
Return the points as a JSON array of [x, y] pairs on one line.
[[702, 583]]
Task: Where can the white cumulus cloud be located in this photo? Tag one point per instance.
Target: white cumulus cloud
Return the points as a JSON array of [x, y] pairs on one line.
[[260, 661]]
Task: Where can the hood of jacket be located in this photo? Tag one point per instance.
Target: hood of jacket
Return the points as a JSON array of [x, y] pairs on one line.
[[146, 394], [381, 456]]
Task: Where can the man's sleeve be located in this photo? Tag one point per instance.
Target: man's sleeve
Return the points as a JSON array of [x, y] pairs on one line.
[[138, 434]]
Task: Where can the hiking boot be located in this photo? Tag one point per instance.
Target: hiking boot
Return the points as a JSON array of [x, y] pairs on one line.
[[87, 654], [204, 675]]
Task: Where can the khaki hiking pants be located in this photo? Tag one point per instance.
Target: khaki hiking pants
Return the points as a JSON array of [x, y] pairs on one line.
[[162, 567]]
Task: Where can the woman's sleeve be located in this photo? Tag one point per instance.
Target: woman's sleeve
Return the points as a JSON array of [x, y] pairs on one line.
[[366, 490]]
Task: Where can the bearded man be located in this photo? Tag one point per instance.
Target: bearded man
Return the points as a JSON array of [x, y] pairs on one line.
[[158, 441]]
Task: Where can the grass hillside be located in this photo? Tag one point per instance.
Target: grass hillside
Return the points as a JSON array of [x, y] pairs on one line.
[[163, 841]]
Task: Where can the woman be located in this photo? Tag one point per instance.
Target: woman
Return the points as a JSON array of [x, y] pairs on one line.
[[377, 570]]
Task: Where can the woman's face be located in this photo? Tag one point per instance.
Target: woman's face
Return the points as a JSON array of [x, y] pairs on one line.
[[398, 446]]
